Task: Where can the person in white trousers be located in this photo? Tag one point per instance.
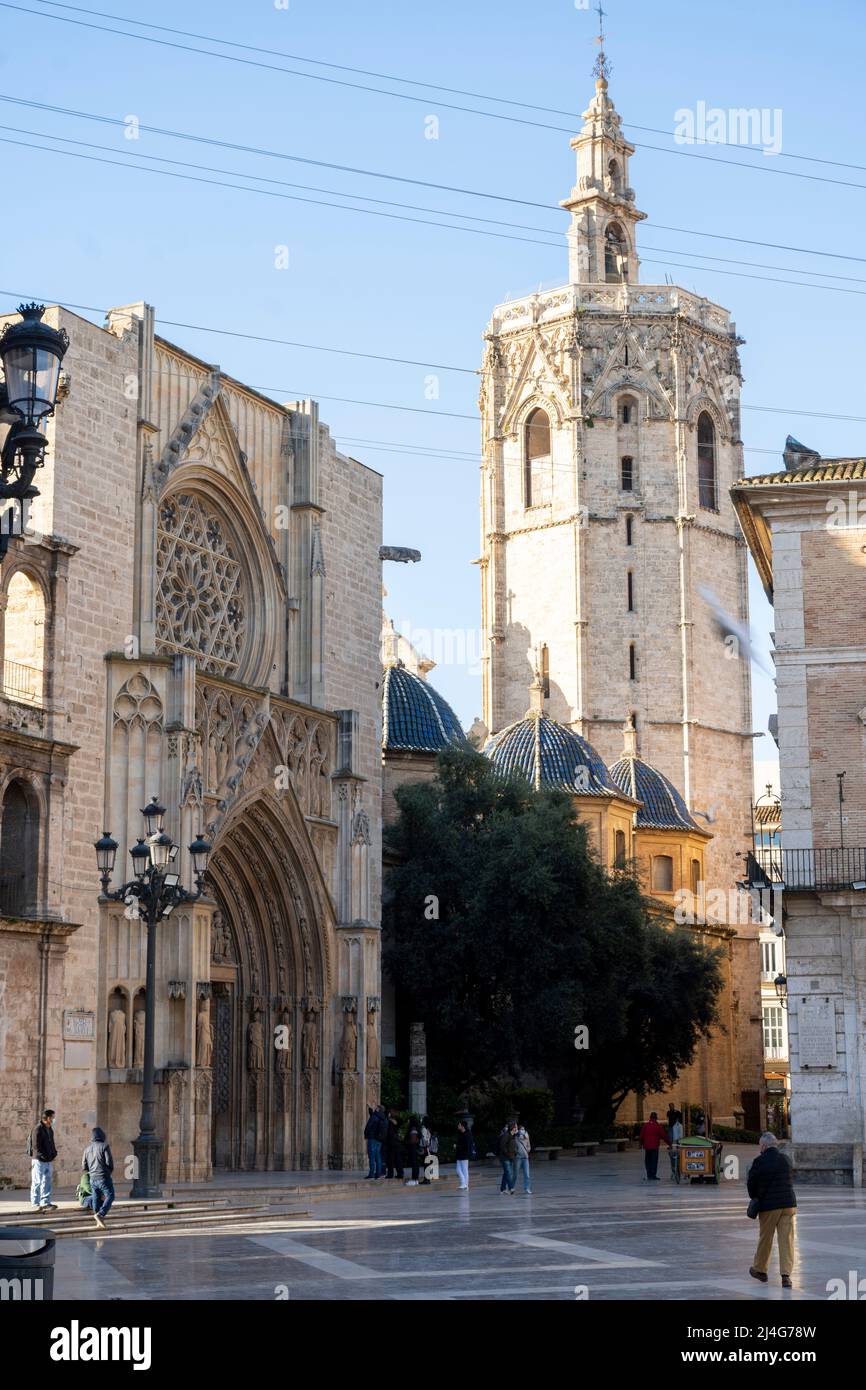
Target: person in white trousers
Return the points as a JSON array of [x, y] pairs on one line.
[[461, 1154]]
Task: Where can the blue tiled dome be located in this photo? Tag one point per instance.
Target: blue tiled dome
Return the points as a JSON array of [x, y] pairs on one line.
[[550, 755], [414, 715], [662, 806]]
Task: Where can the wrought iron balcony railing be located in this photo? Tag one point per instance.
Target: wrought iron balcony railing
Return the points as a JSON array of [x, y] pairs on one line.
[[22, 683], [808, 870]]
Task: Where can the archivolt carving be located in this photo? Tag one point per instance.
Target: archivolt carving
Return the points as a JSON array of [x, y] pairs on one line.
[[137, 704], [230, 725], [201, 591], [305, 748]]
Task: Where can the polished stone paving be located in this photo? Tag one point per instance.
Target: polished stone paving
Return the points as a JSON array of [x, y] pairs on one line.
[[592, 1228]]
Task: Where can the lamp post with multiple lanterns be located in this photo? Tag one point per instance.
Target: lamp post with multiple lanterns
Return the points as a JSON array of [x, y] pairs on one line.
[[31, 353], [153, 894]]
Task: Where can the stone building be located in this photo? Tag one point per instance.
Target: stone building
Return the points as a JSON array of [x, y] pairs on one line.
[[806, 528], [610, 424], [195, 615]]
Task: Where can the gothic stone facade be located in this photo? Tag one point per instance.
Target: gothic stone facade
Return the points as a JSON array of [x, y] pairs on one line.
[[195, 615], [610, 439]]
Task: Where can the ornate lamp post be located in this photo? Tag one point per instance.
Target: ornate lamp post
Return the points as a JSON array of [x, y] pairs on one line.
[[153, 893], [31, 353], [781, 984]]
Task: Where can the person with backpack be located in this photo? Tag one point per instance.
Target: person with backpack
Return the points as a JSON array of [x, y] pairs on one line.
[[43, 1151], [523, 1148], [464, 1150], [98, 1163], [507, 1155]]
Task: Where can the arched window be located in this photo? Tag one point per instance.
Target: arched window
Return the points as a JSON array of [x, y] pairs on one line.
[[663, 873], [619, 849], [23, 639], [630, 591], [615, 254], [628, 531], [536, 446], [632, 662], [19, 851], [626, 474], [696, 876], [625, 412], [707, 493]]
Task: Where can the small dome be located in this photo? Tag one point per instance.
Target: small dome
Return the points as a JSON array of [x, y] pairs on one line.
[[662, 806], [414, 715], [549, 755]]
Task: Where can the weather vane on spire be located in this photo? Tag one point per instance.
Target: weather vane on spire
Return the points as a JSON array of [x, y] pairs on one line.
[[602, 67]]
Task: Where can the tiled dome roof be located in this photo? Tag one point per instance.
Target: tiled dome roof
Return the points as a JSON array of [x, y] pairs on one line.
[[414, 715], [662, 806], [550, 755]]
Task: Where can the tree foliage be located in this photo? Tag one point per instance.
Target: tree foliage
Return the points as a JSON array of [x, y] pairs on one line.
[[504, 934]]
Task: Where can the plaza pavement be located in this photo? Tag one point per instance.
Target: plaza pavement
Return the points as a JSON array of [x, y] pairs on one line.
[[593, 1228]]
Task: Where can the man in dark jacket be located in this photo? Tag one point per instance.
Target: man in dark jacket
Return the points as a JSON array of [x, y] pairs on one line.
[[507, 1155], [43, 1152], [769, 1182], [393, 1151], [99, 1165]]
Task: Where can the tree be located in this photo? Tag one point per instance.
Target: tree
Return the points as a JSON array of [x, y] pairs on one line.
[[503, 934]]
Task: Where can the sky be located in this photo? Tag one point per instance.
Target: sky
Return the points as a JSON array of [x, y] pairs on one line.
[[83, 232]]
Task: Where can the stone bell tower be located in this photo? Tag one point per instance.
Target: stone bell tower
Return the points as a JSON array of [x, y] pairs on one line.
[[610, 424]]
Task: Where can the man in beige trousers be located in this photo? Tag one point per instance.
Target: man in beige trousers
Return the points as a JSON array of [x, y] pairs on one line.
[[770, 1184]]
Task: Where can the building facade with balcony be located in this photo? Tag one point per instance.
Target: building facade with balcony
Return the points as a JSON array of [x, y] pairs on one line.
[[193, 614], [806, 528]]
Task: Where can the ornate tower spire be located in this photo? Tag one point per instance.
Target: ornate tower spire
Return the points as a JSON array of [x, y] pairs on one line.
[[602, 246]]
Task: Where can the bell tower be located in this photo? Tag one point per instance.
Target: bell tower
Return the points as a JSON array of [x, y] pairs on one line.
[[610, 418]]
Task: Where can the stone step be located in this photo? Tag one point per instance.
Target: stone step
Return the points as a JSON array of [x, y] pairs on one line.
[[137, 1220]]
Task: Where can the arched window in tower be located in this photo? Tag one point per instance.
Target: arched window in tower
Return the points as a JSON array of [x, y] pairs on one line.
[[615, 254], [536, 448], [19, 850], [696, 877], [626, 474], [632, 662], [630, 590], [707, 492], [629, 529], [619, 849]]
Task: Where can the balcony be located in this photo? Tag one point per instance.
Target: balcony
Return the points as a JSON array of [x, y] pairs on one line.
[[22, 683], [808, 870]]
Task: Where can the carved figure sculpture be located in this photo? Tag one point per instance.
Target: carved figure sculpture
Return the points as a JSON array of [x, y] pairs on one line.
[[117, 1038]]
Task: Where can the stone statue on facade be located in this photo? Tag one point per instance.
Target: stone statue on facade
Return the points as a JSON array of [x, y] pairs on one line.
[[117, 1038], [138, 1038], [220, 941], [284, 1051], [255, 1045], [349, 1050], [203, 1036], [310, 1041], [372, 1042]]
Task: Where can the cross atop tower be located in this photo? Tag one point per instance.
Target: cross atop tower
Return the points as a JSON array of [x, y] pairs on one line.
[[602, 68]]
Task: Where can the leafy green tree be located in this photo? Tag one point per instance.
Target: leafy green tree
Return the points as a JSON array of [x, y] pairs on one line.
[[504, 935]]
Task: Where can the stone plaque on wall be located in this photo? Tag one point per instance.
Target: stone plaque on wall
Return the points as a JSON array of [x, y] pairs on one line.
[[79, 1025], [816, 1020]]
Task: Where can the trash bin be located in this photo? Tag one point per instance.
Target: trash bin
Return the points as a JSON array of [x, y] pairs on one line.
[[27, 1264]]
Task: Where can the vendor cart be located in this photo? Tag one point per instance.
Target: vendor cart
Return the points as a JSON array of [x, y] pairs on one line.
[[698, 1159]]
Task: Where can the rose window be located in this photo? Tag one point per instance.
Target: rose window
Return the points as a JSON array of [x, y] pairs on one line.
[[200, 589]]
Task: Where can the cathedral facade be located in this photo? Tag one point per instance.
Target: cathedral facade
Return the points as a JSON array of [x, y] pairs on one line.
[[610, 440], [193, 615]]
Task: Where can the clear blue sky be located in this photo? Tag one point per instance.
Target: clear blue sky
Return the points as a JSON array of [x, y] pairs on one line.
[[92, 234]]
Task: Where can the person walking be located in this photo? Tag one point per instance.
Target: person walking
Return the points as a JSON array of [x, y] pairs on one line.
[[464, 1150], [771, 1186], [507, 1155], [370, 1130], [43, 1151], [426, 1147], [675, 1134], [99, 1164], [393, 1150], [651, 1136], [413, 1145], [522, 1151]]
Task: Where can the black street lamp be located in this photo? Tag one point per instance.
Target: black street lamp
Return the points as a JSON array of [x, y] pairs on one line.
[[31, 353], [153, 894], [781, 983]]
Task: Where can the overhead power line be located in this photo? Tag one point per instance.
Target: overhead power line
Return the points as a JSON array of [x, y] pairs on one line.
[[573, 116]]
